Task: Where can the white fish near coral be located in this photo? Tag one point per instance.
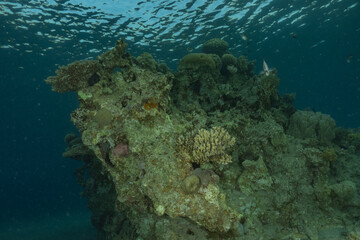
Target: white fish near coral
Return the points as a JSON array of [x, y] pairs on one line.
[[266, 68]]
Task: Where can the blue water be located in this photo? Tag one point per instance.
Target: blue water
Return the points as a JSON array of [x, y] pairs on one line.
[[314, 45]]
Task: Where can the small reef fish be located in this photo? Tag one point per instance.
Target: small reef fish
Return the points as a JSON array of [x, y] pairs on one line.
[[293, 35], [266, 68], [245, 38], [349, 57]]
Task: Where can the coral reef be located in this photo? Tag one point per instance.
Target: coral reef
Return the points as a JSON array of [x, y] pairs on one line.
[[306, 124], [215, 46], [245, 66], [208, 146], [191, 184], [211, 151], [75, 76], [197, 62], [229, 63]]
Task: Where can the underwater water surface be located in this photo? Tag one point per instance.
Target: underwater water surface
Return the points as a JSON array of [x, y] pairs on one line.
[[314, 46]]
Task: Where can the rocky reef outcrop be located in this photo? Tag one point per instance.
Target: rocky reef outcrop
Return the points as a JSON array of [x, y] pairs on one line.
[[211, 151]]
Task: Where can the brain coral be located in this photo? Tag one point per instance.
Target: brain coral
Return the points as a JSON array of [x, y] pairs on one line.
[[196, 61], [191, 184], [215, 46]]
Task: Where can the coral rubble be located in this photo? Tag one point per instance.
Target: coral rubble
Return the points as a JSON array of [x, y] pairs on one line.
[[211, 151]]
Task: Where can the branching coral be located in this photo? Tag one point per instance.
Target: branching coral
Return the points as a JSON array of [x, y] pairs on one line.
[[208, 146]]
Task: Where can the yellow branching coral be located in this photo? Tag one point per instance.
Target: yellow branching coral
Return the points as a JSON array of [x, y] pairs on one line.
[[208, 146]]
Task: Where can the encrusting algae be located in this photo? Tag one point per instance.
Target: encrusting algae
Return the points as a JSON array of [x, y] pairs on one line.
[[211, 151]]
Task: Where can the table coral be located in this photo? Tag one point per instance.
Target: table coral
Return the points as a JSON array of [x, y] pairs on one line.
[[75, 76]]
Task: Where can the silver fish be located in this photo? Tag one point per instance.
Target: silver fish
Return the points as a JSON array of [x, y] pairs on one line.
[[266, 68]]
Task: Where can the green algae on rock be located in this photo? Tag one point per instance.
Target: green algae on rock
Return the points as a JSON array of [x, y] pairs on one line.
[[204, 154]]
